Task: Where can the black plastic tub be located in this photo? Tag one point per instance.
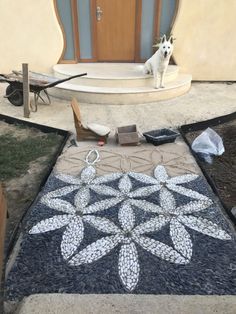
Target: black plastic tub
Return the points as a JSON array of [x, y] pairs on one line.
[[162, 136]]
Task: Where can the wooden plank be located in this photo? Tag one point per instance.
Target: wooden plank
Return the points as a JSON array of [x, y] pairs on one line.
[[34, 77], [3, 211], [26, 90]]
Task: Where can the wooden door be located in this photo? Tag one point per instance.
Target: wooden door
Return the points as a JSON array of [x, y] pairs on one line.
[[115, 23]]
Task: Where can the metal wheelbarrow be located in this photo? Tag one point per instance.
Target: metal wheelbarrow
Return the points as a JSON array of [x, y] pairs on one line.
[[38, 83]]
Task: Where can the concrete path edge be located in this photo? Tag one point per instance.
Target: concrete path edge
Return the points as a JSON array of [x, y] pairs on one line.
[[135, 304]]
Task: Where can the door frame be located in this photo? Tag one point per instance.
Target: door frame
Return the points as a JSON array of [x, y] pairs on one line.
[[75, 26]]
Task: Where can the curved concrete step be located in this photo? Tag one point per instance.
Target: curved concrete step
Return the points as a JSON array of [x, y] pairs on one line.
[[111, 74], [121, 96]]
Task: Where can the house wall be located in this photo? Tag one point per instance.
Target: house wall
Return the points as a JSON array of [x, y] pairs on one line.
[[204, 46], [29, 32], [205, 39]]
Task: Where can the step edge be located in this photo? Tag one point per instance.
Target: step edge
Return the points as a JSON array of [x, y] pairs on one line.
[[113, 90], [168, 73]]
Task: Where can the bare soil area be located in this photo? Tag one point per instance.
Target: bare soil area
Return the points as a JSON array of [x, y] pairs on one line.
[[26, 156], [223, 169]]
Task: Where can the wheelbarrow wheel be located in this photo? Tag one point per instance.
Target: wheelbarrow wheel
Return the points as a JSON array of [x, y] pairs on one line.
[[16, 96]]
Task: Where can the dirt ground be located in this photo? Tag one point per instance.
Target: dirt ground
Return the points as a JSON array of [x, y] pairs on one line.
[[223, 169], [21, 190], [204, 101]]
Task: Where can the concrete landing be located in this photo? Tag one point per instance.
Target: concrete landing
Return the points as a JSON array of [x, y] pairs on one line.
[[111, 74], [122, 96], [118, 83]]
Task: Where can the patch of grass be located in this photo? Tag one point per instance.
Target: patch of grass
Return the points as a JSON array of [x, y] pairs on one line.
[[15, 154]]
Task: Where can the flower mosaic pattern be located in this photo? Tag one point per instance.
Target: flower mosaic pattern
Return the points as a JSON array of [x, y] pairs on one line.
[[74, 218], [129, 233], [182, 215], [86, 181], [161, 180]]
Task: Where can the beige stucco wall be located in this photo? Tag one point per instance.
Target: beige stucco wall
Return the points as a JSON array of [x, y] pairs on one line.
[[29, 32], [205, 43]]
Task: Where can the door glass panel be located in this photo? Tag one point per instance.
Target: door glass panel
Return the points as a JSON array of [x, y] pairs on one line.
[[167, 14], [148, 13], [64, 9], [85, 40]]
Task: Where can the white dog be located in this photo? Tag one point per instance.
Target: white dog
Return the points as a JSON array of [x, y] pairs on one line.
[[158, 63]]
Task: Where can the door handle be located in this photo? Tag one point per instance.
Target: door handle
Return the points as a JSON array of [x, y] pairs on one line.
[[99, 13]]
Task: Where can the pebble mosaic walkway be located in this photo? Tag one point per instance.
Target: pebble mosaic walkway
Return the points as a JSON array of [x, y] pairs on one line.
[[125, 232]]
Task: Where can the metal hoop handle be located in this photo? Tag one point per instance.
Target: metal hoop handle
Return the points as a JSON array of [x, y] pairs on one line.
[[89, 160]]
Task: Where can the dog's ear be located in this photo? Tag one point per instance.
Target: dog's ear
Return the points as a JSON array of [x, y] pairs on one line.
[[171, 40], [163, 39]]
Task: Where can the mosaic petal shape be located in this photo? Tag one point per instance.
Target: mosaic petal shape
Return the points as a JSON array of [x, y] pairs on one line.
[[50, 224], [95, 251], [204, 226], [167, 201], [101, 205], [128, 266], [102, 224], [147, 206], [144, 178], [152, 225], [181, 239], [160, 174], [88, 174], [82, 198], [126, 217], [193, 207], [145, 191], [60, 205], [72, 237], [59, 192], [68, 179], [183, 179], [187, 192], [161, 250], [105, 190], [125, 184]]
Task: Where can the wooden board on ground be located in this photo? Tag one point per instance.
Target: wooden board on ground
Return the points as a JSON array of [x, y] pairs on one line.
[[2, 227]]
